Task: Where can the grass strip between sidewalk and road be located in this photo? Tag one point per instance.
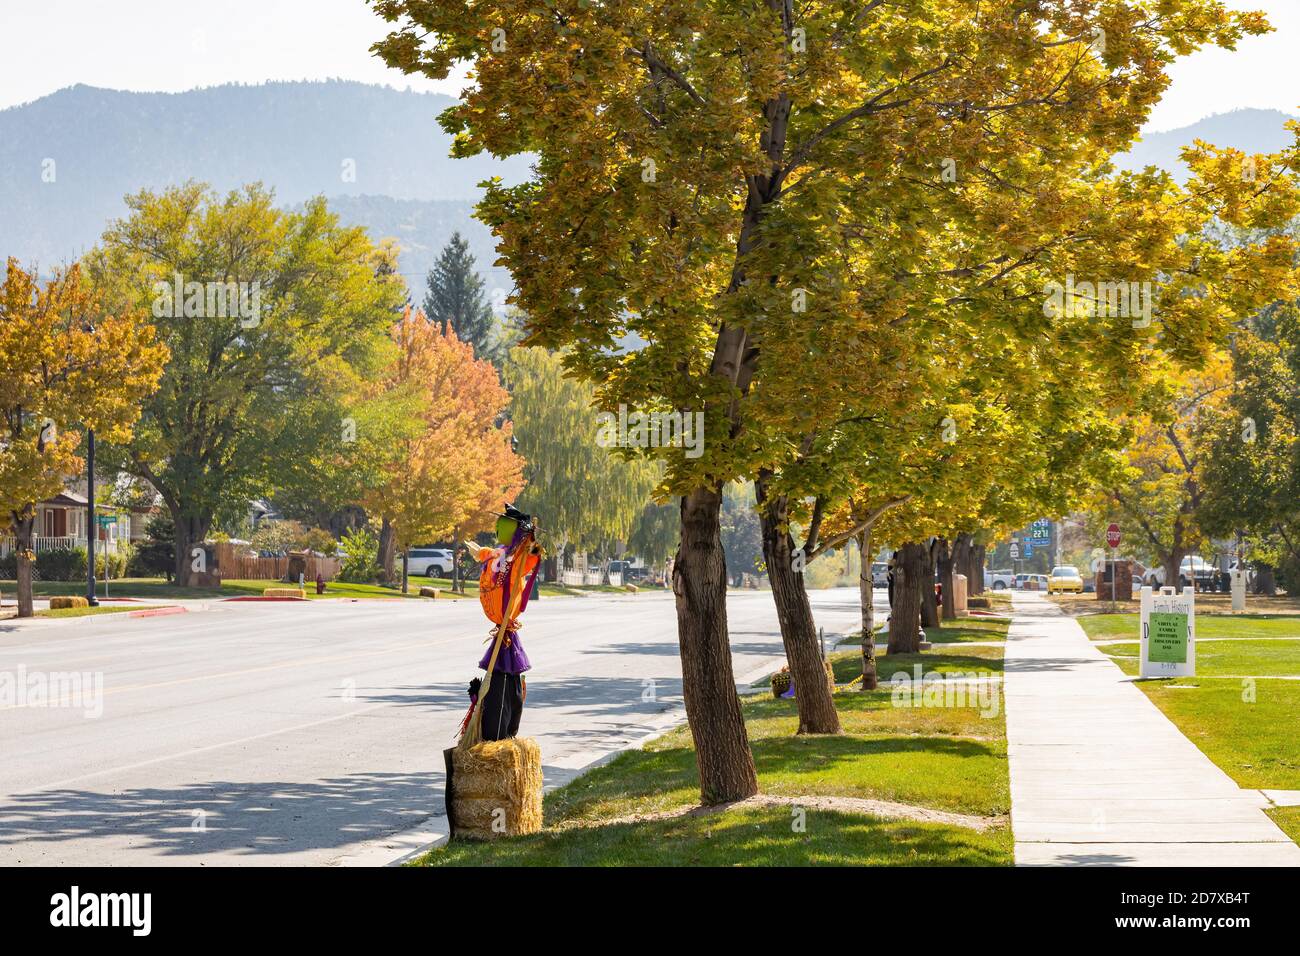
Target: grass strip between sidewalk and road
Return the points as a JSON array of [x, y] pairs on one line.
[[101, 609], [635, 810]]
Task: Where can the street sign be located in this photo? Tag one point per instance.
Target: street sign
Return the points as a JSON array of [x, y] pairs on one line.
[[1168, 622], [1015, 552], [106, 521], [1112, 536]]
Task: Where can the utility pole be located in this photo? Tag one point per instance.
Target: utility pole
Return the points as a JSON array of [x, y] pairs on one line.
[[92, 522]]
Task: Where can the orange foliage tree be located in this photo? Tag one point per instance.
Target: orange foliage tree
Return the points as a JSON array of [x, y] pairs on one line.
[[452, 463]]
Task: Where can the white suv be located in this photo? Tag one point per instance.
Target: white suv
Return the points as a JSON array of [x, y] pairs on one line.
[[431, 562]]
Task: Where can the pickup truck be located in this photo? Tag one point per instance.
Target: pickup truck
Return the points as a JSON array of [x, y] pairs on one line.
[[999, 580], [1193, 570]]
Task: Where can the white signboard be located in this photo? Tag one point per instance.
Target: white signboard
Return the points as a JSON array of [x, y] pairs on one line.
[[1168, 633]]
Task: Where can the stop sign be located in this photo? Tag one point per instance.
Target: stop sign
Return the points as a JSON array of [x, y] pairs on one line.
[[1112, 536]]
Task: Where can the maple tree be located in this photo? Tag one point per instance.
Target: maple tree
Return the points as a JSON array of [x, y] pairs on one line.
[[66, 364], [452, 465], [733, 183]]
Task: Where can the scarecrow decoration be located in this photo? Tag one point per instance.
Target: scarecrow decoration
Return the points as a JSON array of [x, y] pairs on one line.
[[494, 778]]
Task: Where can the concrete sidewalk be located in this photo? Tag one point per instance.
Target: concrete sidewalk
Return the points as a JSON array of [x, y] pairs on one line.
[[1099, 776]]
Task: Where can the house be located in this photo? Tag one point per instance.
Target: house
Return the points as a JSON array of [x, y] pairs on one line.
[[61, 523]]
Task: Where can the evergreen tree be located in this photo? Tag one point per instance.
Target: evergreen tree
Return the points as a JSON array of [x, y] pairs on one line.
[[456, 298]]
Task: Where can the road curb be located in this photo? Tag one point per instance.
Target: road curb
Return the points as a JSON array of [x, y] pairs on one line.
[[160, 611]]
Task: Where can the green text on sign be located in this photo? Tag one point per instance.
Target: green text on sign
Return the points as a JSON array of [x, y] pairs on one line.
[[1167, 642]]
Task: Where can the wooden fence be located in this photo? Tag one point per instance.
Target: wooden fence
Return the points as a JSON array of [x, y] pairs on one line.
[[237, 563]]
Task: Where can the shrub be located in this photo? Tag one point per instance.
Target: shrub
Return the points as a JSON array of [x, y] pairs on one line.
[[61, 564], [360, 564], [318, 539], [152, 559], [115, 564]]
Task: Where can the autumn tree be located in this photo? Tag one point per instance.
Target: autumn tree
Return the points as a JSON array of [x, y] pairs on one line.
[[731, 183], [66, 364], [1159, 493], [453, 466], [274, 319]]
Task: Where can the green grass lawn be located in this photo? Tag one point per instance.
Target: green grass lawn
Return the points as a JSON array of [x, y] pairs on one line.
[[1240, 657], [1101, 627], [952, 632], [942, 758], [1288, 818], [1253, 742], [758, 837], [102, 609], [848, 664]]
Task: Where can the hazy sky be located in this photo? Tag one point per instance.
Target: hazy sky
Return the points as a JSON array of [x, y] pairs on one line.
[[176, 45]]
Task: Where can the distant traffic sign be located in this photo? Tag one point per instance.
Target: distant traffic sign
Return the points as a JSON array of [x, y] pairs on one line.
[[1112, 535]]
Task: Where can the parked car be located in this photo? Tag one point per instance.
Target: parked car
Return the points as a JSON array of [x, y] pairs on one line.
[[430, 562], [1031, 582], [999, 580], [879, 574], [1194, 570], [1065, 577]]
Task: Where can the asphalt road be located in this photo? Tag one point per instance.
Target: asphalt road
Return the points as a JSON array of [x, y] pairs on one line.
[[266, 733]]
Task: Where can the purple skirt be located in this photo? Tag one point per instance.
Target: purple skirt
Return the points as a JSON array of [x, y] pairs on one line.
[[511, 660]]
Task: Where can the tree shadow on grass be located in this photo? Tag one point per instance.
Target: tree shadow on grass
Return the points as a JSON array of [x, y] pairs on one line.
[[746, 837]]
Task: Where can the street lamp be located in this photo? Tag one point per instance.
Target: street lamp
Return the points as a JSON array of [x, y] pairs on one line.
[[92, 525]]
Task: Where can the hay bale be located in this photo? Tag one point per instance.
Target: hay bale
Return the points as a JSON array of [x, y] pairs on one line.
[[494, 789], [284, 593], [59, 603], [426, 591], [630, 588]]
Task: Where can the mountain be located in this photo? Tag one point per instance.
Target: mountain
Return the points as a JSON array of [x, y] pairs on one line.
[[422, 228], [66, 160], [1251, 130], [377, 154]]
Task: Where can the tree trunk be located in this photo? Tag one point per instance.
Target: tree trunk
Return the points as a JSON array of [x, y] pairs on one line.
[[905, 620], [961, 560], [1173, 566], [976, 573], [817, 714], [457, 552], [23, 544], [946, 578], [1265, 580], [387, 553], [929, 605], [866, 595], [191, 530], [713, 711]]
